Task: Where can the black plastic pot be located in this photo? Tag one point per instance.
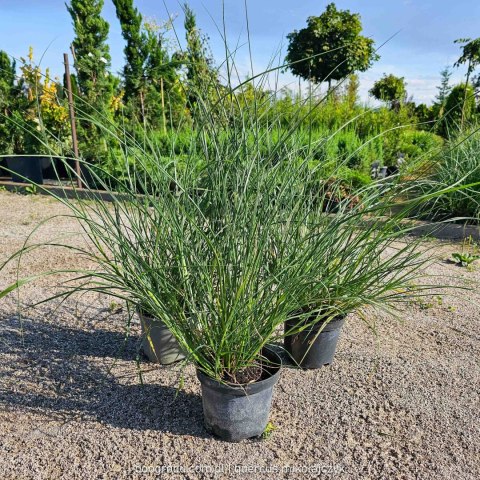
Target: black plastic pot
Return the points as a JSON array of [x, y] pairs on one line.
[[237, 412], [88, 178], [311, 349], [3, 166], [158, 343], [25, 169]]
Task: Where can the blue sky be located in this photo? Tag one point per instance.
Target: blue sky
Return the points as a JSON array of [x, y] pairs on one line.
[[422, 47]]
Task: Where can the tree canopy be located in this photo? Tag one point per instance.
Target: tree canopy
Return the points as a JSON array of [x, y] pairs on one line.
[[459, 107], [390, 89], [331, 47], [470, 56]]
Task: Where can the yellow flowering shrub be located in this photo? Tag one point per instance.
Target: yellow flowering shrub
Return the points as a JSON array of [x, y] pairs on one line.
[[46, 108]]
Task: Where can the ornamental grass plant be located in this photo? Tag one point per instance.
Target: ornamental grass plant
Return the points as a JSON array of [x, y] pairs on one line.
[[457, 165], [227, 241]]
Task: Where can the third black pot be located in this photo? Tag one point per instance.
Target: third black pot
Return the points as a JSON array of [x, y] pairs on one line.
[[237, 412], [311, 349], [25, 169]]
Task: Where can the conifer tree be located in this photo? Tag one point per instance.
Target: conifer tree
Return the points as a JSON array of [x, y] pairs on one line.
[[201, 76], [94, 82], [91, 51], [135, 48], [444, 88], [151, 82]]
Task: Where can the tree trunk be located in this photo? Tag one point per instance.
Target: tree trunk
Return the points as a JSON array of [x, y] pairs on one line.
[[142, 108], [465, 94], [164, 117]]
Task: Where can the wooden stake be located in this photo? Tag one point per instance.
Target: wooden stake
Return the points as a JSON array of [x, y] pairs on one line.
[[163, 107], [72, 120]]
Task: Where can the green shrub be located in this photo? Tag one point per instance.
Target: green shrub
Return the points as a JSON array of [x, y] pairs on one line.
[[416, 144]]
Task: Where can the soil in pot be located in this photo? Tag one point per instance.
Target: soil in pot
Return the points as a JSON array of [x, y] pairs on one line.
[[158, 343], [236, 412], [315, 346]]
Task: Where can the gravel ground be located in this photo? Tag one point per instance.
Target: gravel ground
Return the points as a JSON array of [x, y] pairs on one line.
[[401, 405]]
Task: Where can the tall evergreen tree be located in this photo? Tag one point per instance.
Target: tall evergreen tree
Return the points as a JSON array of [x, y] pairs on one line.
[[201, 76], [163, 94], [194, 44], [92, 55], [150, 76], [444, 88], [7, 72], [443, 91], [94, 82], [135, 48]]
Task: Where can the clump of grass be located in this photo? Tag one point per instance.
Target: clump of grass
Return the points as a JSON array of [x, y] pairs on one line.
[[469, 253], [223, 258], [465, 259], [458, 165]]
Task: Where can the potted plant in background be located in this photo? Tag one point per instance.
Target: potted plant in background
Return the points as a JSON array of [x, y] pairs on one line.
[[26, 168], [16, 130], [366, 262], [158, 342], [36, 122]]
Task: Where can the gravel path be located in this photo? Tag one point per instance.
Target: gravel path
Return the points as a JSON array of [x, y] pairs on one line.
[[401, 405]]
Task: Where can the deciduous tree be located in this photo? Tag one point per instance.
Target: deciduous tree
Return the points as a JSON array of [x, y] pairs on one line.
[[390, 89], [331, 47], [471, 57]]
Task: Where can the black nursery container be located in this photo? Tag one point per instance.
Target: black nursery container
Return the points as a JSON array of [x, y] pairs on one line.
[[158, 342], [238, 412], [310, 349], [25, 169]]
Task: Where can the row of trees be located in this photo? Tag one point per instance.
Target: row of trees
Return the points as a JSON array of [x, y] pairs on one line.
[[159, 85], [157, 80], [454, 105], [331, 48], [155, 91]]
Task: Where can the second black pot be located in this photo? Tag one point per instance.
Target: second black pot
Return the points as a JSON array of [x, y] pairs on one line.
[[311, 349], [237, 412], [158, 342]]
